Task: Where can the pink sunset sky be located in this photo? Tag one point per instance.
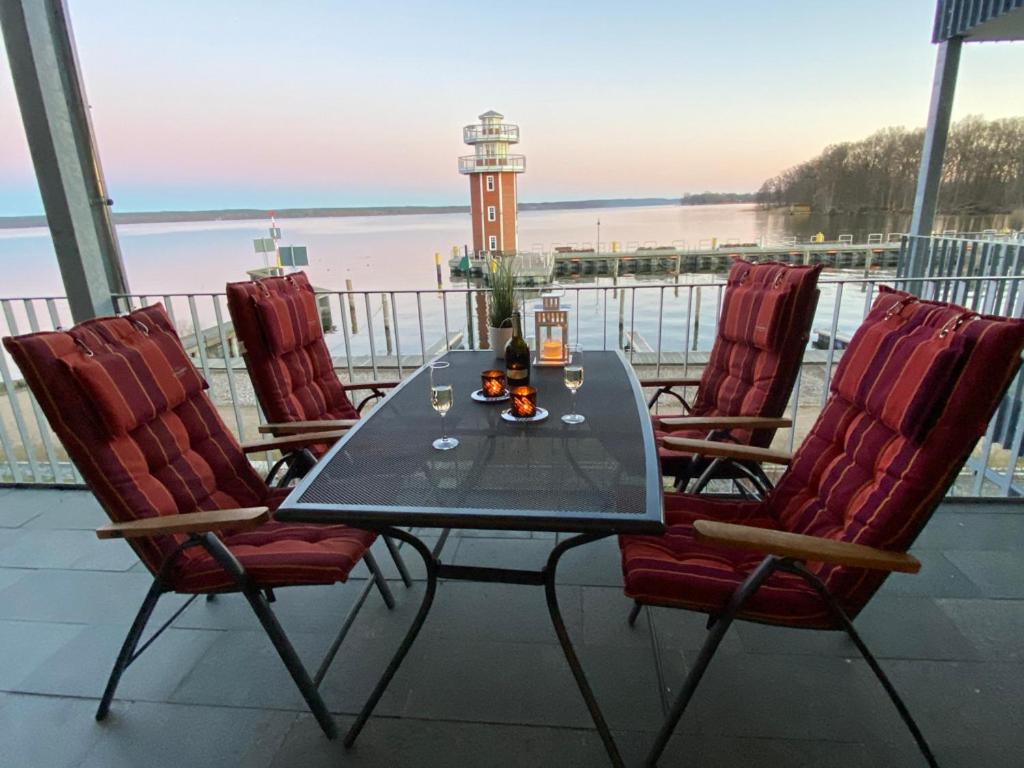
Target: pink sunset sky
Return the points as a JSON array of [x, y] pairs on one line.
[[230, 104]]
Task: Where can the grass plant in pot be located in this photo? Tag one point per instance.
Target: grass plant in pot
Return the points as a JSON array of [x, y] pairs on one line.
[[501, 303]]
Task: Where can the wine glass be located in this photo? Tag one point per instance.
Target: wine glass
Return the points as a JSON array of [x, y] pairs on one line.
[[573, 377], [441, 397]]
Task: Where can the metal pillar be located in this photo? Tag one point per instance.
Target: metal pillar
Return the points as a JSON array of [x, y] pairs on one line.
[[55, 114], [932, 152]]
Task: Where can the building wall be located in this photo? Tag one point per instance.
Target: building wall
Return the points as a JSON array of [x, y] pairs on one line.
[[503, 199]]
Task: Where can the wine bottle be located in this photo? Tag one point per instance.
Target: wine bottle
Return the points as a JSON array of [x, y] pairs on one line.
[[517, 356]]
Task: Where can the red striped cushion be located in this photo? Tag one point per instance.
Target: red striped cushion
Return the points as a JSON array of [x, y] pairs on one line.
[[290, 319], [743, 379], [856, 477], [298, 385], [756, 312], [678, 571], [179, 457], [134, 382], [902, 370]]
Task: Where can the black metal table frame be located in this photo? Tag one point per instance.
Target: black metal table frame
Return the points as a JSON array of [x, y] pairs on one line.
[[369, 518], [435, 570]]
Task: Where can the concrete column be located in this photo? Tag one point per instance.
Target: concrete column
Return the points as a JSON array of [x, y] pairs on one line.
[[55, 114], [933, 151]]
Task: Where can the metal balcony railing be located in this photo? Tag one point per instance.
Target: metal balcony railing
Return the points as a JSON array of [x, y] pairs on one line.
[[474, 134], [663, 328], [496, 163]]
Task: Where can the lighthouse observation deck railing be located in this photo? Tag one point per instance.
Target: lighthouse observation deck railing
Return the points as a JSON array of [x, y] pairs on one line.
[[664, 329], [482, 163], [474, 134]]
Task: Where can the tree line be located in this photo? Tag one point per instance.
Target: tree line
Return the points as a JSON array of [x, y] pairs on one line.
[[983, 171]]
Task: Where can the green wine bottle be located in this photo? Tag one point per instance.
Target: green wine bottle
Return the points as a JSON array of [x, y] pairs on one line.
[[517, 356]]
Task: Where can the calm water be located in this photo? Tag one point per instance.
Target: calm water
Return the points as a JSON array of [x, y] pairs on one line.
[[397, 252]]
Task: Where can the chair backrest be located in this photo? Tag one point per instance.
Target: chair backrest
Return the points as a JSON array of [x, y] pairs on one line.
[[910, 399], [129, 408], [765, 322], [278, 324]]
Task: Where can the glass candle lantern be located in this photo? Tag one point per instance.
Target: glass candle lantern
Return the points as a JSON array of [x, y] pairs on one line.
[[551, 326], [523, 402], [492, 383]]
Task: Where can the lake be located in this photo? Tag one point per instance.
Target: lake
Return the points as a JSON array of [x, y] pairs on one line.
[[390, 253]]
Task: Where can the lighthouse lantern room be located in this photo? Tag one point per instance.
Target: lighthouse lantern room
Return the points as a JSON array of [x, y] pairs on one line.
[[492, 175]]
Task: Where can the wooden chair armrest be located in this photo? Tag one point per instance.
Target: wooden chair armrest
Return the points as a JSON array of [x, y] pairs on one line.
[[302, 427], [370, 385], [190, 522], [291, 442], [801, 547], [669, 382], [726, 422], [727, 450]]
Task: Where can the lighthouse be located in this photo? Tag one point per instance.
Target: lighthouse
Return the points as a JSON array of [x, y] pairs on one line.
[[492, 175]]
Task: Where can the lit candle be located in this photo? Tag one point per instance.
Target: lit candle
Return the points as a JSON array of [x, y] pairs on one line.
[[552, 350], [492, 383], [524, 402]]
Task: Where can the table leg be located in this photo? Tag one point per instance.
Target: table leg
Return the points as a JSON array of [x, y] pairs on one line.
[[567, 647], [428, 598]]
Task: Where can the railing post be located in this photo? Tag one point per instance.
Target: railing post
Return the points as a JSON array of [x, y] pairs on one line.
[[55, 114]]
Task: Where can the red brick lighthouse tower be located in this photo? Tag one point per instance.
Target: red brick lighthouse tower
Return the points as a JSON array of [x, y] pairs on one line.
[[492, 183]]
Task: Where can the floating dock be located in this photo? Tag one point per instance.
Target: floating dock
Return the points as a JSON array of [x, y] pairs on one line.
[[542, 268]]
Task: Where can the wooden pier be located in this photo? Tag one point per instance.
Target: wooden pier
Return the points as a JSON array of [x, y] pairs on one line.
[[539, 269]]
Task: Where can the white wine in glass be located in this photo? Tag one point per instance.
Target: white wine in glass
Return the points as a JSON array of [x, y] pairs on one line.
[[441, 397], [573, 378]]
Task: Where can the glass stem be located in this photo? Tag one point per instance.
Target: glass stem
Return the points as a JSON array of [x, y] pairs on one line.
[[444, 429], [574, 402]]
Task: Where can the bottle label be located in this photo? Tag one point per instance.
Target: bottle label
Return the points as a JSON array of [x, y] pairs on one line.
[[517, 374]]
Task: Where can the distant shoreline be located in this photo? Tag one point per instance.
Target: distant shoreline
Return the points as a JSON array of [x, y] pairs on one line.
[[244, 214]]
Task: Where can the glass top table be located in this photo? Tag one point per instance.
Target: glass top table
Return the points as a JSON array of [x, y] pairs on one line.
[[601, 475], [594, 479]]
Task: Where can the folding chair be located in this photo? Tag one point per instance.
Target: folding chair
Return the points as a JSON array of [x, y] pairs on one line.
[[277, 322], [765, 322], [129, 407], [911, 397]]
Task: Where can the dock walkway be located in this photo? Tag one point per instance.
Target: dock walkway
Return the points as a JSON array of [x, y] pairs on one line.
[[541, 268]]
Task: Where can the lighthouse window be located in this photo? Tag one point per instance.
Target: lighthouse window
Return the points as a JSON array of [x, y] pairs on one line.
[[492, 243], [490, 185], [490, 213]]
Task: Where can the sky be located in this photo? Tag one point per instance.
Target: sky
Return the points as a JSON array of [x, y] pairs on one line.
[[238, 103]]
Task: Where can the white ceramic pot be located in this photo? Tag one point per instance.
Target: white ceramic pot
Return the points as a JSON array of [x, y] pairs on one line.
[[499, 339]]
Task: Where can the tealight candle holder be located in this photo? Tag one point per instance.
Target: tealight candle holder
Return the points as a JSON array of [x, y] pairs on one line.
[[492, 383], [523, 402]]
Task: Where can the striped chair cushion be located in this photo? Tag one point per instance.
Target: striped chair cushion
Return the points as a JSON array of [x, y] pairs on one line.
[[855, 477], [903, 370], [676, 570], [279, 555], [290, 319], [742, 378], [134, 382], [282, 341], [755, 311], [169, 452]]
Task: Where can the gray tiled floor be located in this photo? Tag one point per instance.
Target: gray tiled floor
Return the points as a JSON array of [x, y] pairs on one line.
[[486, 683]]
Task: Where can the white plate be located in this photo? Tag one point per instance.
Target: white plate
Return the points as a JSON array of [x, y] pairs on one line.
[[480, 397], [539, 415]]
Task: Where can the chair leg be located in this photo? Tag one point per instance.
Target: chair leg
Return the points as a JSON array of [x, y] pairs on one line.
[[274, 631], [399, 562], [291, 660], [379, 580], [707, 652], [131, 642], [847, 625], [634, 612]]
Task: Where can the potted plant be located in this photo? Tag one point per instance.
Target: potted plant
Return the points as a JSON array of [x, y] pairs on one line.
[[501, 303]]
